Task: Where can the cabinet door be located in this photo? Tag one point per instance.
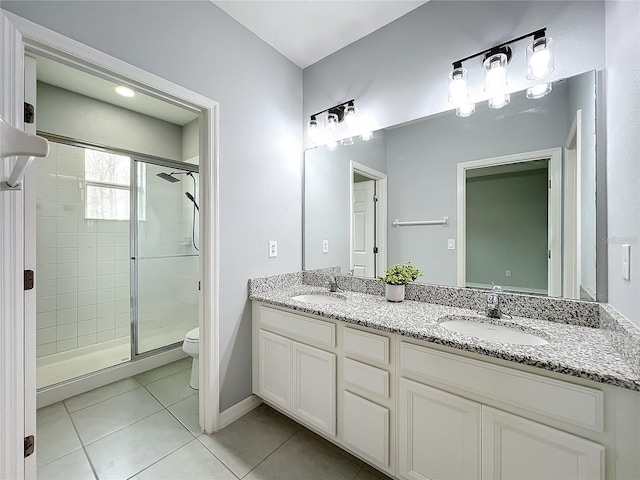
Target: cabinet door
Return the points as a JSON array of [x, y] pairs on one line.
[[314, 387], [439, 434], [515, 448], [275, 384], [365, 428]]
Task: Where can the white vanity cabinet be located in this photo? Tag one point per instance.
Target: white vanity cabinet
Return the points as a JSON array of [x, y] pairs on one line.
[[442, 435], [297, 377], [367, 414]]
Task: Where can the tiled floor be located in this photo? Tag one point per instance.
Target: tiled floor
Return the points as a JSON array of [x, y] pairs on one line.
[[146, 428]]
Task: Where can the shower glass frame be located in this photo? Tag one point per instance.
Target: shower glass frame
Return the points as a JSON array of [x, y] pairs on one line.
[[134, 244], [135, 157]]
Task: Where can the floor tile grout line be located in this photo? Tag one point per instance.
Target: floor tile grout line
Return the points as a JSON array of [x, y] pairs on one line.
[[162, 458], [274, 451], [121, 428], [82, 445]]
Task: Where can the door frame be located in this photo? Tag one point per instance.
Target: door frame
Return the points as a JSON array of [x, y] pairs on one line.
[[381, 212], [19, 36], [555, 210], [572, 247]]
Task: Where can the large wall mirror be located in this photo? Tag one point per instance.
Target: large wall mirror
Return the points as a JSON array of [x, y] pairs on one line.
[[505, 196]]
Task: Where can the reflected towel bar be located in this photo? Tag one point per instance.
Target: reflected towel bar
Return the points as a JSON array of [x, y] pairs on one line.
[[444, 222]]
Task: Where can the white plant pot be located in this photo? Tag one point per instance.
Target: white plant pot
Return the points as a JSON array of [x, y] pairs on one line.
[[394, 293]]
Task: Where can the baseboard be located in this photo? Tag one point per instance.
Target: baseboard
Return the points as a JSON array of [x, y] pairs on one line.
[[240, 409]]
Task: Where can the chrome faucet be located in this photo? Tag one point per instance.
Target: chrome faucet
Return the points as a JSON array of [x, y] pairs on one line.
[[333, 284], [493, 302]]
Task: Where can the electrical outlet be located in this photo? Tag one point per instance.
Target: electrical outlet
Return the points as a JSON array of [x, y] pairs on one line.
[[273, 249], [325, 246], [626, 262], [451, 244], [507, 273]]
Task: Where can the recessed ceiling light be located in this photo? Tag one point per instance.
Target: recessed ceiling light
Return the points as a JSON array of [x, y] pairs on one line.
[[124, 91]]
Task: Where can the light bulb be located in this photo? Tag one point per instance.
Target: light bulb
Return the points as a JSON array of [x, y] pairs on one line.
[[495, 74], [499, 101], [351, 117], [538, 91], [540, 58], [458, 83], [466, 109], [366, 136], [332, 122]]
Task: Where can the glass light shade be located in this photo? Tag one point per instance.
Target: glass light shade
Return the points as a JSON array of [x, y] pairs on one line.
[[458, 85], [540, 58], [332, 145], [314, 130], [366, 136], [347, 141], [332, 122], [499, 101], [466, 109], [538, 91], [495, 74], [351, 117]]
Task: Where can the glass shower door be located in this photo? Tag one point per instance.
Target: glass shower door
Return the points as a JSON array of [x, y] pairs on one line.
[[165, 257]]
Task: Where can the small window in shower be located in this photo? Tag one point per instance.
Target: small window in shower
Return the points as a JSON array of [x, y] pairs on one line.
[[107, 178]]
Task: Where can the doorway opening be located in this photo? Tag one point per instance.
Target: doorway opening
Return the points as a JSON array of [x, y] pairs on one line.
[[368, 205]]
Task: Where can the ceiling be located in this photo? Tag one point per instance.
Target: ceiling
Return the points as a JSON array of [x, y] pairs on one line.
[[62, 76], [306, 31]]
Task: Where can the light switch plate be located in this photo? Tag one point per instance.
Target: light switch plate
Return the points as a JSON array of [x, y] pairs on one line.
[[325, 246], [451, 244], [273, 248], [626, 262]]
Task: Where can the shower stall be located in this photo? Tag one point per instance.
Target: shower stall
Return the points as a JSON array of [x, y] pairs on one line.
[[117, 258]]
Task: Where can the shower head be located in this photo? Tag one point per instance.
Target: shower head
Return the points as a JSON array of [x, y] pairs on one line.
[[168, 177], [190, 197]]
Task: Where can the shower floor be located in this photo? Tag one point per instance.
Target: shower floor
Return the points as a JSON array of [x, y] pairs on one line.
[[64, 366]]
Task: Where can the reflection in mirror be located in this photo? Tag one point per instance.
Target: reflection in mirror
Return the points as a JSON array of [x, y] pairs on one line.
[[517, 185]]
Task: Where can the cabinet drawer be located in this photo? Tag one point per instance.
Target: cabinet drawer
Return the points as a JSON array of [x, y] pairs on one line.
[[367, 346], [574, 404], [366, 377], [298, 327], [365, 427]]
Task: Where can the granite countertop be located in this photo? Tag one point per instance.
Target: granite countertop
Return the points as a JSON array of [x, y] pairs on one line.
[[579, 351]]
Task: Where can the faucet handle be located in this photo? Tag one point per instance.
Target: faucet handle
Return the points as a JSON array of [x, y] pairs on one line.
[[496, 288]]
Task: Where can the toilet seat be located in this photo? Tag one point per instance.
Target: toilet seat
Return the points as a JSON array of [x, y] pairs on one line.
[[193, 335]]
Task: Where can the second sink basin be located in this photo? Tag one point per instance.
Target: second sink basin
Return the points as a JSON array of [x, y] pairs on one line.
[[493, 333], [319, 299]]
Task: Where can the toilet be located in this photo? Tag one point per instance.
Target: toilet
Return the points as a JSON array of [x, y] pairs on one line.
[[190, 346]]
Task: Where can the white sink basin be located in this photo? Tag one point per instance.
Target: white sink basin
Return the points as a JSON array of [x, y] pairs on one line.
[[319, 299], [493, 333]]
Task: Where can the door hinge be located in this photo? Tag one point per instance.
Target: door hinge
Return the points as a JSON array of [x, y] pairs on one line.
[[29, 113], [29, 445], [198, 286], [375, 198], [375, 249], [549, 183], [28, 279], [549, 253]]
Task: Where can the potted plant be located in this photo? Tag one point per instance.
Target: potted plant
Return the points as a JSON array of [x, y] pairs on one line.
[[396, 277]]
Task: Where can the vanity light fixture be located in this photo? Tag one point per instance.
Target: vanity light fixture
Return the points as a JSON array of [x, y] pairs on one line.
[[340, 124], [124, 91], [494, 63]]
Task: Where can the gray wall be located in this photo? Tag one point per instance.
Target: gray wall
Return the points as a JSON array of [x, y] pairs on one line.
[[190, 139], [196, 45], [327, 195], [75, 116], [422, 161], [508, 235], [399, 72], [582, 96], [623, 150]]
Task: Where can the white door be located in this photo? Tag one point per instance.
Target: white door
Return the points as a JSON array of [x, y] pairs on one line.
[[365, 429], [439, 434], [275, 381], [514, 448], [314, 387], [364, 259]]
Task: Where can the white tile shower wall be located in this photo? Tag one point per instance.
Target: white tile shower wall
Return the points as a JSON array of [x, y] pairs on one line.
[[82, 274]]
